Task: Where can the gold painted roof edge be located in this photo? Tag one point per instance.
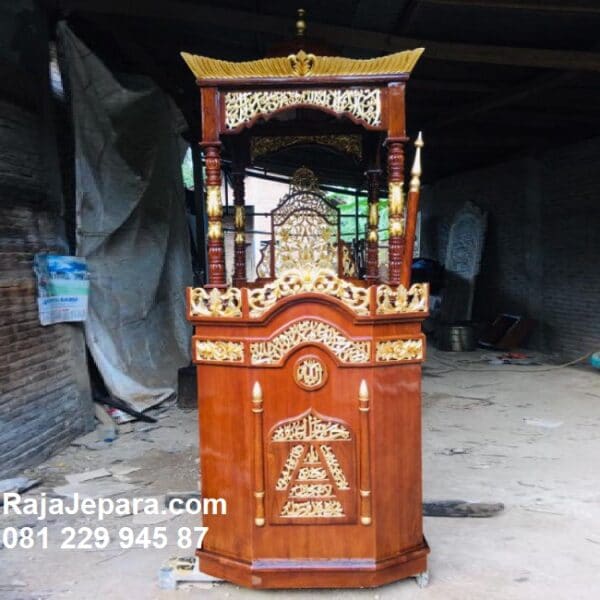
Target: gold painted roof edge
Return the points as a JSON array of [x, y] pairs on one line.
[[303, 65]]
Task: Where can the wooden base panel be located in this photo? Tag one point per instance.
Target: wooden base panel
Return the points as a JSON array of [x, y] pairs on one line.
[[287, 574]]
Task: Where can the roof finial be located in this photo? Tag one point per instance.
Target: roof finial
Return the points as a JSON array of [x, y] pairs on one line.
[[301, 23]]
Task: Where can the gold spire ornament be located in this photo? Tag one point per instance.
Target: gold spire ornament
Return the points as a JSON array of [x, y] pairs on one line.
[[301, 23], [415, 181]]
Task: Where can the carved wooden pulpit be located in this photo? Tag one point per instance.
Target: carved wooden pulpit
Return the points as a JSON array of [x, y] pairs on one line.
[[309, 379]]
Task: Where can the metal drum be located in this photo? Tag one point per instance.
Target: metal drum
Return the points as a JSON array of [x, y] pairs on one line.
[[458, 337]]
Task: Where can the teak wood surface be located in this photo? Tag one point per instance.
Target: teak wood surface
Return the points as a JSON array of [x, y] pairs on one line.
[[324, 552]]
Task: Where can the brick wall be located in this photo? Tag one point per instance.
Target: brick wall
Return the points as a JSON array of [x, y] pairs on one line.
[[45, 398], [542, 248]]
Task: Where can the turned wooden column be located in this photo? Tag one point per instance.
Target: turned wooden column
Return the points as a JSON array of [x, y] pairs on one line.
[[214, 211], [396, 210], [373, 235], [412, 209], [239, 268]]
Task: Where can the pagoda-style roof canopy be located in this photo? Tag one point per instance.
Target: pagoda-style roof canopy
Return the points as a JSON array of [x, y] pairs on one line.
[[302, 64]]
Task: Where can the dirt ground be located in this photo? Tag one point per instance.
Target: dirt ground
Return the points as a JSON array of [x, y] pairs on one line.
[[529, 440]]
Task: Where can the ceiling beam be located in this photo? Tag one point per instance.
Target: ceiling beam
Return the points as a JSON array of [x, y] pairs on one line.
[[443, 85], [376, 42], [408, 16], [531, 5], [469, 142], [511, 96], [143, 61], [377, 15]]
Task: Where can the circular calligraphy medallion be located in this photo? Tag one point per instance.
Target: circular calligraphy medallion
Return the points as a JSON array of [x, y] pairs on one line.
[[310, 373]]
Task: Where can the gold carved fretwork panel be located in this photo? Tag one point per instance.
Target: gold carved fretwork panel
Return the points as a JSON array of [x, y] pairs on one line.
[[399, 350], [312, 471], [364, 104], [219, 351], [295, 281], [304, 240], [271, 352], [348, 144], [216, 303], [305, 227], [393, 300]]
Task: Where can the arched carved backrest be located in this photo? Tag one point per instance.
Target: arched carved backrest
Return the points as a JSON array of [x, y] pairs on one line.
[[305, 230]]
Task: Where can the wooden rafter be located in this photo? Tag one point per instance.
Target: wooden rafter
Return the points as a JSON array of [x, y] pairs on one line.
[[367, 40]]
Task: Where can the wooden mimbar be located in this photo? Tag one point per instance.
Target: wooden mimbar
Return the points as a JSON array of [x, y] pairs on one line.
[[309, 376]]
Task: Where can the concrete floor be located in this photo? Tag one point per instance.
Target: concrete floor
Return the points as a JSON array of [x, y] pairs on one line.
[[530, 441]]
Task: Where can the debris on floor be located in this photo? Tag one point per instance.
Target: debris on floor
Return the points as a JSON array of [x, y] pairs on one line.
[[16, 484], [76, 478], [461, 508], [454, 451], [184, 570], [512, 358]]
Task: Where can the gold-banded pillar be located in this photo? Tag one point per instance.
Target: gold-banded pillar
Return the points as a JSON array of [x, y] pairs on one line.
[[396, 210], [214, 211], [239, 269], [372, 274]]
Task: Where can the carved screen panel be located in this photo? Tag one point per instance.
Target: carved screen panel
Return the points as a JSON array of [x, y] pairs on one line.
[[305, 227], [312, 472]]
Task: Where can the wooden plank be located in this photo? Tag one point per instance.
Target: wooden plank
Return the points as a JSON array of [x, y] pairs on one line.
[[367, 40]]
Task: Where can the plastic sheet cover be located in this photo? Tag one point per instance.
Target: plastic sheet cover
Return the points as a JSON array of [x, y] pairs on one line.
[[131, 226]]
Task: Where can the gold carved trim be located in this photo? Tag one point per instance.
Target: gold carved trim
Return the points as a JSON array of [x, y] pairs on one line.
[[295, 281], [219, 351], [397, 299], [311, 490], [215, 230], [396, 197], [216, 303], [310, 428], [346, 350], [348, 262], [214, 207], [312, 473], [310, 373], [364, 104], [313, 508], [301, 64], [240, 217], [348, 144], [396, 226], [289, 467], [398, 350], [334, 467]]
